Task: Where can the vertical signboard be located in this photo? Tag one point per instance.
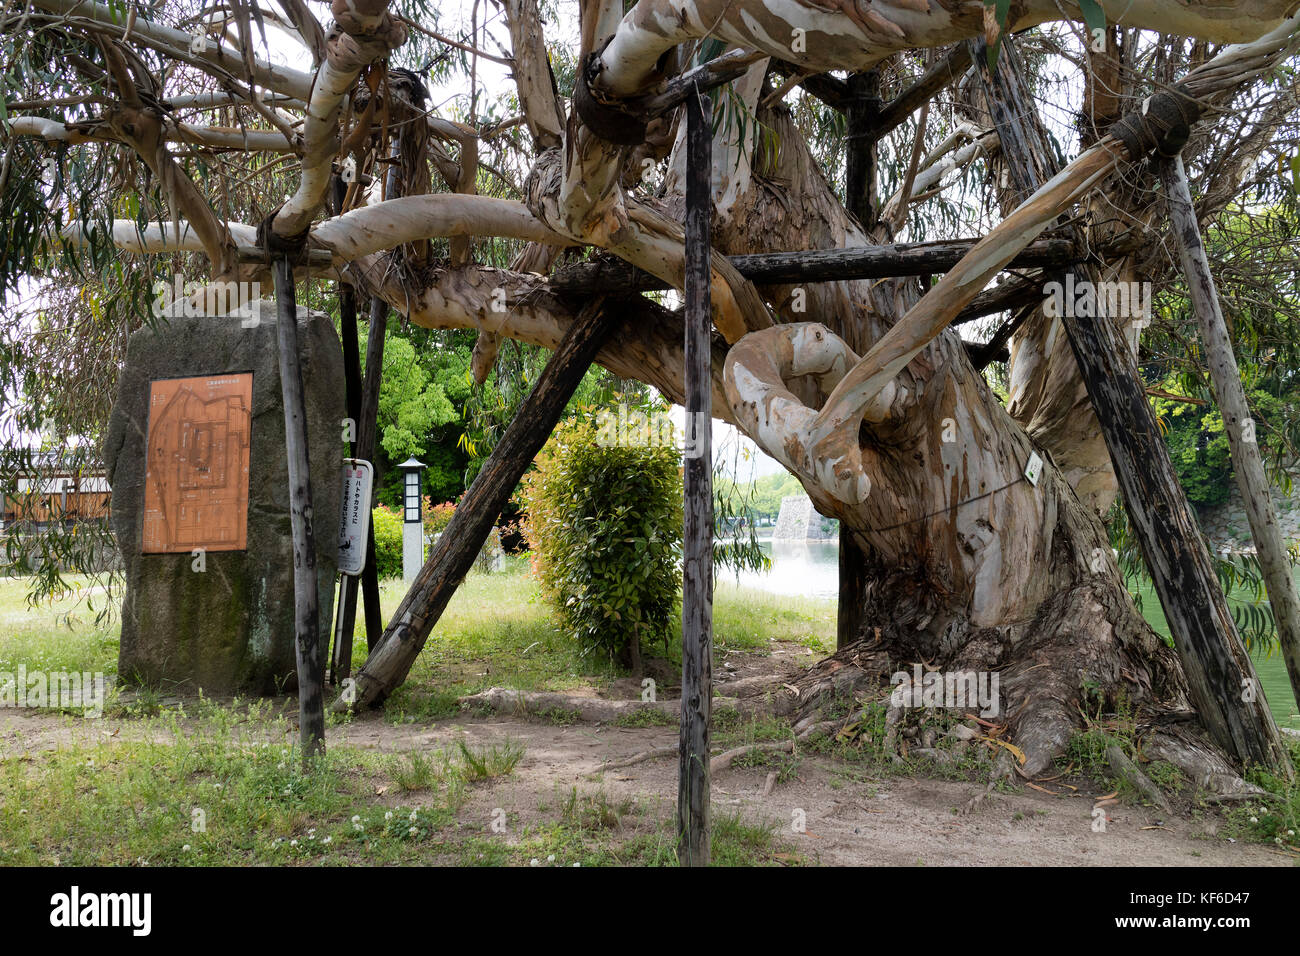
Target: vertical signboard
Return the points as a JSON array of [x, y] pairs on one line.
[[354, 515]]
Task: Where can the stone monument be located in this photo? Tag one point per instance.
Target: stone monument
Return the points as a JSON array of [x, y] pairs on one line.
[[200, 509]]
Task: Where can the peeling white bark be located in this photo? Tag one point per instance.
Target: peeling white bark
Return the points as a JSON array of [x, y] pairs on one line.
[[348, 52]]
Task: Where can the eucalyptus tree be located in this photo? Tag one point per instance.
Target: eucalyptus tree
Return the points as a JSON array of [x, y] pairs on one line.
[[844, 125]]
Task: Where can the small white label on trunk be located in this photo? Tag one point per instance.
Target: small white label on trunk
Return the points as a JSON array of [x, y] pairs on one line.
[[1034, 469]]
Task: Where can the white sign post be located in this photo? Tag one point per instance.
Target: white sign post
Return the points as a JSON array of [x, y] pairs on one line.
[[354, 519]]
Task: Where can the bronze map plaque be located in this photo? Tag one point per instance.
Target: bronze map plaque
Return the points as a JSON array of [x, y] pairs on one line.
[[196, 476]]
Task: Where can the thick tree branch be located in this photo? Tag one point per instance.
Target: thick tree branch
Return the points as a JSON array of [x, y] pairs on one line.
[[363, 33]]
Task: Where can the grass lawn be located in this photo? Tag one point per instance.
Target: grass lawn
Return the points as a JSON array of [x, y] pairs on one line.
[[497, 632], [55, 636], [221, 782], [1269, 664]]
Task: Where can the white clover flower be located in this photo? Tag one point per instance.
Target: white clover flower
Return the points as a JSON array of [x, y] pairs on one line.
[[356, 819], [413, 815], [551, 858], [185, 848], [534, 862], [1254, 819], [293, 843], [388, 815], [328, 840], [413, 831]]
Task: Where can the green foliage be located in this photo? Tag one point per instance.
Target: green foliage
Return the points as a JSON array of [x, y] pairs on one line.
[[760, 499], [388, 542], [491, 761], [604, 523], [644, 717], [1198, 446], [411, 402], [1198, 443]]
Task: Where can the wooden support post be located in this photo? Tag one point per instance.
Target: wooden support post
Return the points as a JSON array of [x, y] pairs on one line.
[[311, 677], [367, 436], [454, 553], [697, 540], [862, 113], [363, 414], [1247, 463], [853, 586], [1220, 676], [346, 614]]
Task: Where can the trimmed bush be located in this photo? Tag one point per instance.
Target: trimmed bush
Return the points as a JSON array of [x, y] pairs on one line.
[[604, 523], [388, 542]]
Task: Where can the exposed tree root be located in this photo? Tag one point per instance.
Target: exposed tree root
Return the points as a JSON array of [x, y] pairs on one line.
[[1003, 771], [1126, 769], [1087, 651], [537, 703], [1179, 739], [642, 757], [725, 759]]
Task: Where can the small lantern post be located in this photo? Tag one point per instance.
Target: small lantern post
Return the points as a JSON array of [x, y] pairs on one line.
[[412, 518]]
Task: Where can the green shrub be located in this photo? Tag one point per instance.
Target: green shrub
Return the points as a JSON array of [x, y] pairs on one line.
[[604, 523], [388, 542]]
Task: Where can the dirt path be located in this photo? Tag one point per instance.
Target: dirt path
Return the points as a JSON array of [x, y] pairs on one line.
[[852, 816]]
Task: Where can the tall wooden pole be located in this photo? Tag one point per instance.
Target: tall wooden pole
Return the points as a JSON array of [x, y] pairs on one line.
[[861, 114], [367, 435], [1247, 463], [697, 540], [346, 614], [311, 677]]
